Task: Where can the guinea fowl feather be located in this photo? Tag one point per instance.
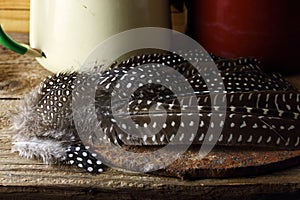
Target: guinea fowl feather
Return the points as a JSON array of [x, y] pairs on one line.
[[262, 109]]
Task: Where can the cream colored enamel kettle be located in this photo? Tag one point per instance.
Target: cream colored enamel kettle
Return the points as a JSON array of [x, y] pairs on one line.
[[63, 32]]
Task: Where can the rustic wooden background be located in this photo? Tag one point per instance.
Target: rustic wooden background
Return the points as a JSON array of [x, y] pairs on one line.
[[14, 15]]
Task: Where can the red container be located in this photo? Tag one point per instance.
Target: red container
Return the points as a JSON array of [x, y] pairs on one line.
[[266, 29]]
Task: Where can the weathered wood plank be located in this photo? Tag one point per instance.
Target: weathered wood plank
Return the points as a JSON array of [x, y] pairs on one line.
[[7, 107], [14, 5], [18, 74], [15, 20], [14, 15]]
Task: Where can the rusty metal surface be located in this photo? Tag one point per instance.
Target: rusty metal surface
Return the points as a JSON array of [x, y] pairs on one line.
[[221, 162]]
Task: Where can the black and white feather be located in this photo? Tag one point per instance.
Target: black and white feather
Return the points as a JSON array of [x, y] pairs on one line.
[[263, 110]]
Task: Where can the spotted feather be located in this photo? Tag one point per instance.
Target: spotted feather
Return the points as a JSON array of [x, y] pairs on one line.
[[262, 109]]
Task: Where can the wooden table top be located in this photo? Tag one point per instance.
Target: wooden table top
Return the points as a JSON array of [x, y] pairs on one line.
[[31, 179]]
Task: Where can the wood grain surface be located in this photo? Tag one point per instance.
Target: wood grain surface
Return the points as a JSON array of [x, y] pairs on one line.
[[30, 179], [14, 5], [14, 15]]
